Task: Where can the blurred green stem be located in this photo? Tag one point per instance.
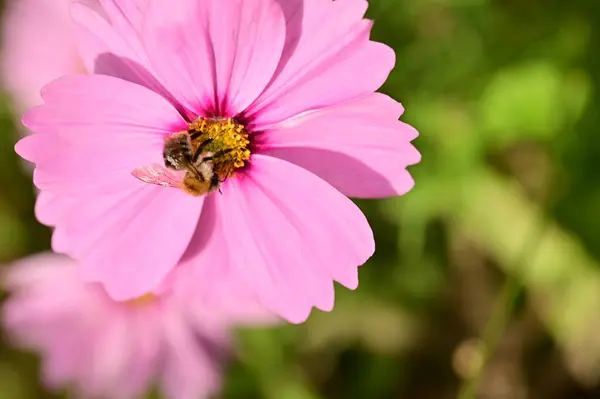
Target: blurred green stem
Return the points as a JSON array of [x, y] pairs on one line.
[[503, 310]]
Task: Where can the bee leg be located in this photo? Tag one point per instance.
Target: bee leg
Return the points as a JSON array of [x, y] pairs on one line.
[[228, 173], [206, 142], [215, 183], [223, 181]]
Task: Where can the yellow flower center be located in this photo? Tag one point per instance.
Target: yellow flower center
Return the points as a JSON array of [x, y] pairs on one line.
[[227, 141]]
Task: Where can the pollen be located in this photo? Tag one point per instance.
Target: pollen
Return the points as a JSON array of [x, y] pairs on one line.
[[143, 300], [226, 139]]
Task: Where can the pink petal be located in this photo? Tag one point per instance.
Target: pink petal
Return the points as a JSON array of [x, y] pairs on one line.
[[206, 264], [145, 355], [37, 306], [359, 147], [217, 55], [109, 42], [111, 351], [50, 208], [37, 47], [126, 15], [130, 241], [62, 364], [36, 269], [207, 279], [327, 59], [189, 372], [93, 131], [106, 30], [290, 234]]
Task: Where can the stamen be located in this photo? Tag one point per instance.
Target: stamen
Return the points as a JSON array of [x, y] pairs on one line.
[[225, 140]]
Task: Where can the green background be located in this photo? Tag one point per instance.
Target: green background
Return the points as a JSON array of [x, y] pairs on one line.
[[492, 260]]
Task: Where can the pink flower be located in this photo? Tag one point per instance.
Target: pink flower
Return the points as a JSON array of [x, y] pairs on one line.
[[276, 103], [38, 46], [117, 350]]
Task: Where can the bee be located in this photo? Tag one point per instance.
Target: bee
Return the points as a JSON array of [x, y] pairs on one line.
[[181, 153]]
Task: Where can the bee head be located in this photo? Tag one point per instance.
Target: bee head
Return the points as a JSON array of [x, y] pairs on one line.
[[176, 152]]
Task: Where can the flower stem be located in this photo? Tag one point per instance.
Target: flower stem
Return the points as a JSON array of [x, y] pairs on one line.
[[502, 312]]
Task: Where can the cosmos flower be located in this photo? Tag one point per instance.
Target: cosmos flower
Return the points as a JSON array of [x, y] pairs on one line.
[[107, 349], [38, 46], [233, 129]]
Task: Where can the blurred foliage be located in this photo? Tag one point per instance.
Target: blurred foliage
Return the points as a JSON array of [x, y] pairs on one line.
[[504, 94]]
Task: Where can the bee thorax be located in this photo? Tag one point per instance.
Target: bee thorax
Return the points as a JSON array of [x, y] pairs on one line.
[[206, 169]]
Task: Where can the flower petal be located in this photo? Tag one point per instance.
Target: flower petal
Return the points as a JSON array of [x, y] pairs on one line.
[[35, 269], [290, 234], [207, 279], [189, 370], [327, 59], [126, 15], [131, 240], [37, 47], [217, 55], [63, 365], [359, 147], [145, 354], [93, 131], [113, 341], [105, 30], [51, 210], [109, 42]]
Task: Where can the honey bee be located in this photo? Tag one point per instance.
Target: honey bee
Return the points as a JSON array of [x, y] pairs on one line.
[[182, 153]]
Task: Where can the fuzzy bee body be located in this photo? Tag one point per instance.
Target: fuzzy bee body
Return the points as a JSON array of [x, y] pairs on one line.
[[182, 153], [177, 153], [209, 151]]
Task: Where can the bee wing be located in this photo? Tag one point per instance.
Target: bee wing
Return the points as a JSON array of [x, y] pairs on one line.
[[157, 174]]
